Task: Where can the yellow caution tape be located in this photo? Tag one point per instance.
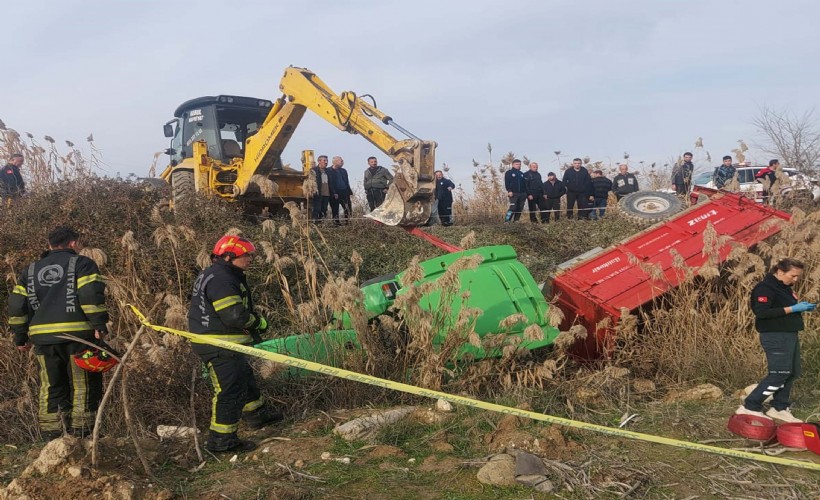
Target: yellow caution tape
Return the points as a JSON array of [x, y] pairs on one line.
[[398, 386]]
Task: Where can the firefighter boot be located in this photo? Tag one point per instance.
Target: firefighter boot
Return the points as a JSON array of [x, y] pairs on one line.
[[261, 417], [218, 442]]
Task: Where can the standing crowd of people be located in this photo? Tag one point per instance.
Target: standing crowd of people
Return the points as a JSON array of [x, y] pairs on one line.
[[585, 193]]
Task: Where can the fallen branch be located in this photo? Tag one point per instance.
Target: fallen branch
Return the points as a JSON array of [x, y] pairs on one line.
[[193, 415], [129, 423], [300, 474]]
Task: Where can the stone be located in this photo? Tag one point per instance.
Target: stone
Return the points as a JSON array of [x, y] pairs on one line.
[[75, 471], [53, 455], [175, 432], [499, 471], [544, 487], [527, 464], [643, 386], [299, 464], [444, 406], [442, 446], [530, 480], [703, 392]]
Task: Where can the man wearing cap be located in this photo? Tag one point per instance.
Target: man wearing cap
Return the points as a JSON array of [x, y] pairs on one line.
[[553, 191], [516, 187], [222, 308]]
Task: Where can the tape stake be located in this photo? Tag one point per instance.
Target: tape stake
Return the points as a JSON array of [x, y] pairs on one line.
[[475, 403]]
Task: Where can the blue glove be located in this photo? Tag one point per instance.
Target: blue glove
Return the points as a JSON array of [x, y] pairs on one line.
[[803, 306]]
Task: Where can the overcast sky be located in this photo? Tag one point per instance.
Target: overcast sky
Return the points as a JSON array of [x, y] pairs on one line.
[[588, 78]]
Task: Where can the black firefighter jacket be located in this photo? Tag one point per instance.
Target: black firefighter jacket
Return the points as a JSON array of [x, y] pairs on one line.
[[769, 299], [221, 306], [61, 293]]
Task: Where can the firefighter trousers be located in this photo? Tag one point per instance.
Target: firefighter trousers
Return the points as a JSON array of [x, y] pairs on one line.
[[235, 389], [69, 395]]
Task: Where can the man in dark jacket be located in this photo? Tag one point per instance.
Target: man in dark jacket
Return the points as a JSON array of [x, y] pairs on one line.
[[11, 180], [682, 174], [376, 181], [778, 319], [340, 191], [321, 197], [601, 186], [60, 294], [535, 192], [724, 173], [553, 191], [444, 198], [579, 189], [516, 191], [625, 182], [222, 308]]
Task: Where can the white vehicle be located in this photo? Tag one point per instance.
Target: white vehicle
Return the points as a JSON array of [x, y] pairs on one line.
[[754, 189]]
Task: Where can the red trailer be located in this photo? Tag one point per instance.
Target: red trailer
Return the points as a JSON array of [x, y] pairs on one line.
[[600, 286]]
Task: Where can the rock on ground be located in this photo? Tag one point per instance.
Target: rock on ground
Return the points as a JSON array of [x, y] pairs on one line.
[[368, 426], [703, 392], [499, 471]]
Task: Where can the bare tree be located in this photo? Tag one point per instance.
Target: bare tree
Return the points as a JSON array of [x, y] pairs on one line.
[[793, 138]]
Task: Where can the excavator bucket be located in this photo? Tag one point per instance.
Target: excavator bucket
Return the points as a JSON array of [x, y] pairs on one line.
[[409, 198]]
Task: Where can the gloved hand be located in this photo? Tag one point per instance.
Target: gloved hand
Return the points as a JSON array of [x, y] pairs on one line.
[[262, 326], [803, 306]]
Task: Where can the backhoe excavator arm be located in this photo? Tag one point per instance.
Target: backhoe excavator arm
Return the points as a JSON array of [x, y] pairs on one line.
[[410, 196]]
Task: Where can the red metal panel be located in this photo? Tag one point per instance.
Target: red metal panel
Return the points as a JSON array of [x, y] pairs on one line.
[[602, 285]]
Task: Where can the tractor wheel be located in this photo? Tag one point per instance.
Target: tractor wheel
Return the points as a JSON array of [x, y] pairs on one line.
[[182, 183], [649, 207]]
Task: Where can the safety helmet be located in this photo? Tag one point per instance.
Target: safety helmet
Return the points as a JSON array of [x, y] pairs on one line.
[[94, 360], [236, 246]]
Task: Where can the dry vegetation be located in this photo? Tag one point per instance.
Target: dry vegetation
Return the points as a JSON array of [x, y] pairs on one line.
[[701, 332]]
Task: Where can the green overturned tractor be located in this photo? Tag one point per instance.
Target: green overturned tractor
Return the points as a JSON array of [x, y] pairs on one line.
[[498, 287]]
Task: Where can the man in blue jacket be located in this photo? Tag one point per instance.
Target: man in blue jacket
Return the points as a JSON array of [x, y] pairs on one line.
[[516, 187]]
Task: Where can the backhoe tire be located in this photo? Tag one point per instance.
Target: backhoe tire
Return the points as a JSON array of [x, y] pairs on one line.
[[650, 207], [183, 186]]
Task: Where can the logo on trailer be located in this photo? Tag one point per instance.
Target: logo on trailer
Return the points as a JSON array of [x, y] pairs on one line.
[[710, 213]]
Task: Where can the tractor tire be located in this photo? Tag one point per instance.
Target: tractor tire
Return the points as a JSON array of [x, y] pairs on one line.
[[650, 207], [183, 187]]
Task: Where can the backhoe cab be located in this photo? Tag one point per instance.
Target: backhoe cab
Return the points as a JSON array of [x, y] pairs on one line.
[[231, 147]]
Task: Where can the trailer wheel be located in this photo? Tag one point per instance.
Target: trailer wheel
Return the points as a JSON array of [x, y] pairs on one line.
[[649, 207], [182, 183]]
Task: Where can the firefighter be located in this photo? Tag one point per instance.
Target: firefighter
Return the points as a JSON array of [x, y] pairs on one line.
[[222, 308], [62, 293]]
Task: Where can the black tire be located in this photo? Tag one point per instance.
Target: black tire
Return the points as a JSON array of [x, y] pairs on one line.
[[183, 187], [649, 207]]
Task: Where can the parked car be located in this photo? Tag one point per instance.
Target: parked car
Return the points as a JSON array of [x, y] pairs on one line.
[[754, 189]]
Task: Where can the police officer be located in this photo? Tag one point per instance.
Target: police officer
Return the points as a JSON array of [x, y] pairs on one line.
[[62, 293], [516, 187], [222, 308]]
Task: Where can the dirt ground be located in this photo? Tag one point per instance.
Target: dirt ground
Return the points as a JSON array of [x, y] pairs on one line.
[[413, 459]]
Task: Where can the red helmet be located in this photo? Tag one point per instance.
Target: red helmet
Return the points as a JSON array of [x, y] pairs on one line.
[[235, 245], [94, 360]]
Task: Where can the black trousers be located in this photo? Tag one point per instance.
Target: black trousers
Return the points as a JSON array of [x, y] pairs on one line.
[[319, 211], [375, 197], [783, 359], [69, 395], [582, 200], [552, 207], [235, 389], [342, 201], [445, 212], [516, 207], [535, 205]]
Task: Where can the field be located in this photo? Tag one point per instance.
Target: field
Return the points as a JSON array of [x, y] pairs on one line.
[[700, 334]]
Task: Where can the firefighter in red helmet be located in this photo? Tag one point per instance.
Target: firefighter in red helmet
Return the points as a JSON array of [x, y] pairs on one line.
[[222, 308], [61, 293]]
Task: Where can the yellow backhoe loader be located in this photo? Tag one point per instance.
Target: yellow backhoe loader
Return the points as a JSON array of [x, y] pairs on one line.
[[231, 147]]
